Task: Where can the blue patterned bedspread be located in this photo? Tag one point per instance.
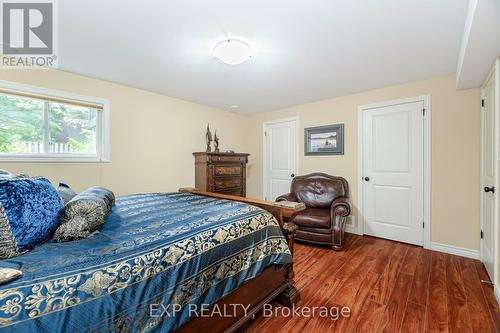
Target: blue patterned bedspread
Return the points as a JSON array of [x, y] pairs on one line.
[[168, 248]]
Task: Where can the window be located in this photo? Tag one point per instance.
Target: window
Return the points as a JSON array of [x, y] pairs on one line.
[[35, 125]]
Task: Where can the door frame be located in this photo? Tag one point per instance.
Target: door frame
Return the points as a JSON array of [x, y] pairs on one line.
[[426, 99], [496, 268], [493, 74], [264, 149]]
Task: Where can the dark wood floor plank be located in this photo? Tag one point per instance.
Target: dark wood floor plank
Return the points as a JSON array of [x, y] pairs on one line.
[[324, 293], [420, 286], [383, 289], [458, 315], [400, 249], [352, 264], [479, 312], [437, 302], [489, 294], [370, 317], [381, 251], [360, 273], [411, 260], [353, 298], [481, 271], [388, 286], [381, 263], [322, 324], [396, 307], [413, 321], [454, 280]]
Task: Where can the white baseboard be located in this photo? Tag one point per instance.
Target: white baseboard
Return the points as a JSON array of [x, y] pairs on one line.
[[351, 225], [456, 250], [352, 228]]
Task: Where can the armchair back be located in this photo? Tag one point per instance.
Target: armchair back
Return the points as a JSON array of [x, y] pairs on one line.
[[318, 190]]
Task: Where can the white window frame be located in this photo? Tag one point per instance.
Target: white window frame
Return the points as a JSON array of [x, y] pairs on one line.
[[103, 152]]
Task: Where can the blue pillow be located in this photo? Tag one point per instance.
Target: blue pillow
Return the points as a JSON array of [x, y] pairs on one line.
[[84, 214], [5, 174], [65, 192], [29, 211]]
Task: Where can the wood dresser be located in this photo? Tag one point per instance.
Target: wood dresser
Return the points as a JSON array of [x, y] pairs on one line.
[[221, 172]]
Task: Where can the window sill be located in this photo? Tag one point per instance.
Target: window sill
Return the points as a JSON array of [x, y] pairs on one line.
[[46, 158]]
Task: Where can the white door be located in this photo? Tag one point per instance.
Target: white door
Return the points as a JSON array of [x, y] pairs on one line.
[[488, 176], [280, 157], [393, 179]]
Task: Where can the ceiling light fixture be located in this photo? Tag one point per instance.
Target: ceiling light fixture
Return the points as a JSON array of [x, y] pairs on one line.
[[232, 51]]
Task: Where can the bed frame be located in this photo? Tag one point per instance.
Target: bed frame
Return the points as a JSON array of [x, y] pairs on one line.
[[271, 285]]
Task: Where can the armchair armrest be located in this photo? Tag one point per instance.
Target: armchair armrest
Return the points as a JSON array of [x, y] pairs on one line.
[[287, 197], [340, 207]]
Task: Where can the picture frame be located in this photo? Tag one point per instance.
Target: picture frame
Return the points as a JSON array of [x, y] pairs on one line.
[[324, 140]]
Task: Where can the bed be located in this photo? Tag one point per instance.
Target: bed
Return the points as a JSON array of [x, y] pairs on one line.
[[158, 260]]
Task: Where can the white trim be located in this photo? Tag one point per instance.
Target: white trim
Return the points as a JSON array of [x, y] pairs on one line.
[[481, 173], [51, 158], [496, 241], [469, 19], [456, 250], [103, 153], [489, 77], [264, 150], [352, 228], [48, 92], [426, 99], [361, 217]]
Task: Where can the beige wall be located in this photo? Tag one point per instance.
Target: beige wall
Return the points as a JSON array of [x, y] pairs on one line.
[[152, 136], [455, 151]]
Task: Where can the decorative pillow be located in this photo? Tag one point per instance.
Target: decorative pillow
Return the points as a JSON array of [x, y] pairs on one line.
[[22, 175], [65, 192], [29, 210], [84, 214], [5, 174], [9, 274]]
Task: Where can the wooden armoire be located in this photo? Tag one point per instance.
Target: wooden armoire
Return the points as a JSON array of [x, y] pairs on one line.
[[221, 172]]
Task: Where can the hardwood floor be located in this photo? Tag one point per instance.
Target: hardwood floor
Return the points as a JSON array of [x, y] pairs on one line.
[[389, 287]]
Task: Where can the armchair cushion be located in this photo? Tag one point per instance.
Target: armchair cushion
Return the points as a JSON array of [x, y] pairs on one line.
[[314, 218], [322, 231]]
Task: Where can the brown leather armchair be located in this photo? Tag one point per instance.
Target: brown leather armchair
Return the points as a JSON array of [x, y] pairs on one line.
[[327, 206]]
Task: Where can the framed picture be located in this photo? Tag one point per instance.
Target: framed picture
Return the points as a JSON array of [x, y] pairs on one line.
[[324, 140]]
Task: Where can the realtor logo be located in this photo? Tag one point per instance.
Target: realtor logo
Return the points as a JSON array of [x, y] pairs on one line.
[[28, 33]]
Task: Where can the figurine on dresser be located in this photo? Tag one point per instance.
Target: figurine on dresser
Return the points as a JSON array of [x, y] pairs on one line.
[[208, 139], [216, 142]]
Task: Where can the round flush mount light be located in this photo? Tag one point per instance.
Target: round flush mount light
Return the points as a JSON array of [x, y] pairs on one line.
[[232, 51]]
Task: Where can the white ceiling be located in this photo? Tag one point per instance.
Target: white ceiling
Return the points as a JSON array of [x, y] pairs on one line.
[[303, 50]]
